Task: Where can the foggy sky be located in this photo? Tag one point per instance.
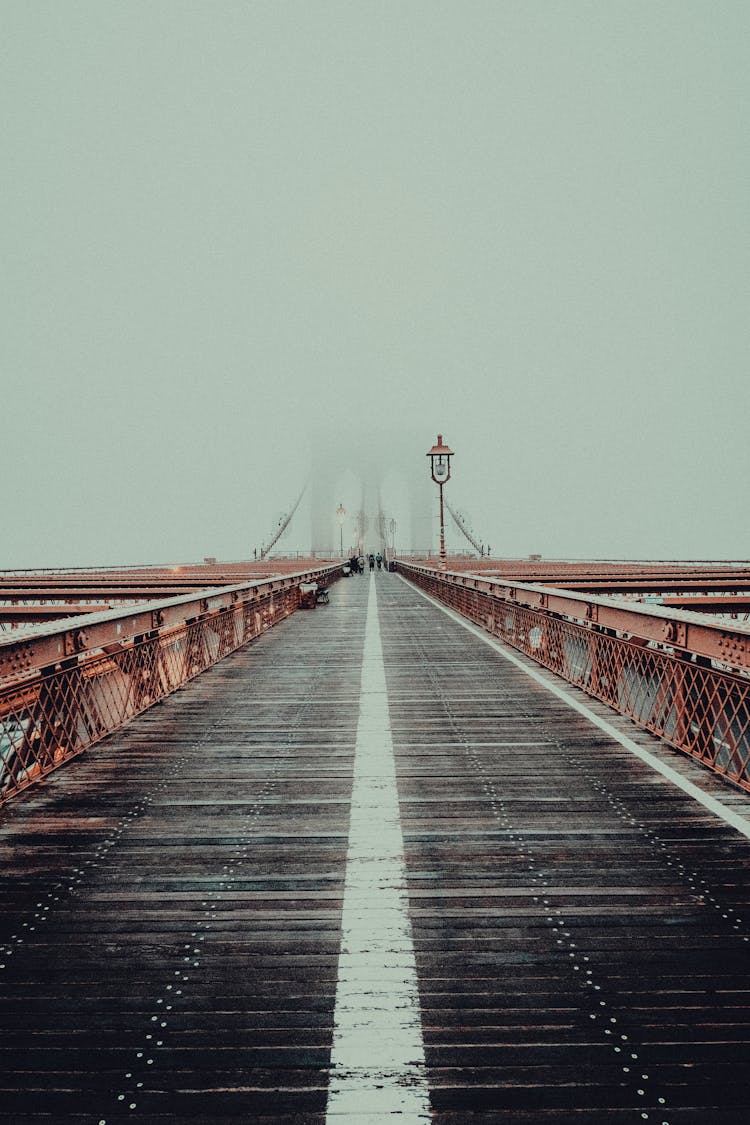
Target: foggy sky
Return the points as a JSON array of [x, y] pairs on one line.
[[521, 224]]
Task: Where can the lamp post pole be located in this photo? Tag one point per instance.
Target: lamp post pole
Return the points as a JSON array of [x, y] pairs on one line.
[[340, 516], [440, 468]]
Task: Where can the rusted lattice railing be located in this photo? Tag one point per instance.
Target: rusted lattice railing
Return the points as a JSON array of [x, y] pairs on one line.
[[67, 685], [678, 675]]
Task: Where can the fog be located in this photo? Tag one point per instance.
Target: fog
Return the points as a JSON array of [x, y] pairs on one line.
[[230, 226]]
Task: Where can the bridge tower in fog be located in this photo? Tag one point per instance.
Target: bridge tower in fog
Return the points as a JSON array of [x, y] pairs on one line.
[[372, 473]]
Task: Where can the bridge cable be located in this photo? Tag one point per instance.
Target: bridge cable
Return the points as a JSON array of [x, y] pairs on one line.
[[459, 522], [283, 523]]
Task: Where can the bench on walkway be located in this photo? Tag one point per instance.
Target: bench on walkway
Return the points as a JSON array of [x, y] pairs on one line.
[[311, 594]]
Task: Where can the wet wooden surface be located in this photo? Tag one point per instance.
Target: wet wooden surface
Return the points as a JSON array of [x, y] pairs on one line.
[[172, 900]]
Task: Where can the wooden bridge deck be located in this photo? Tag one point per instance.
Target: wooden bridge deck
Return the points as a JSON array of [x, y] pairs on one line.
[[172, 901]]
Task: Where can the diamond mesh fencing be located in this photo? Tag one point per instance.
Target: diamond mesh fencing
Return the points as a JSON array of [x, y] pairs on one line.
[[683, 698], [54, 714]]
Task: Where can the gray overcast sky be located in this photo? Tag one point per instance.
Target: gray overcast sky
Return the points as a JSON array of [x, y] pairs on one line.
[[524, 224]]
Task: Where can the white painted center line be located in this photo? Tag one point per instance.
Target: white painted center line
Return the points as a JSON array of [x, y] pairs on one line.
[[377, 1059]]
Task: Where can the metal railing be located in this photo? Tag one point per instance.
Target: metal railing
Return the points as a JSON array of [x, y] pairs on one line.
[[673, 673], [67, 685]]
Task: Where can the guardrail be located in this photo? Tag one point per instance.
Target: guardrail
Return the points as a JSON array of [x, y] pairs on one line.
[[69, 684], [672, 672]]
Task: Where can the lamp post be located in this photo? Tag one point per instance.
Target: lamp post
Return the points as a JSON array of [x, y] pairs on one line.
[[340, 516], [440, 468], [393, 536]]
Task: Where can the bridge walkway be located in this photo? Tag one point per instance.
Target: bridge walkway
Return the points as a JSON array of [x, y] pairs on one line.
[[576, 929]]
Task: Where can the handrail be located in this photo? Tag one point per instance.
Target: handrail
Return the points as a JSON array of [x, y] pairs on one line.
[[58, 640], [680, 629], [69, 684], [672, 672]]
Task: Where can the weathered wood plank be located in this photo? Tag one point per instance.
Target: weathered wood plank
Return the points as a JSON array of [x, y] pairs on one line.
[[175, 895]]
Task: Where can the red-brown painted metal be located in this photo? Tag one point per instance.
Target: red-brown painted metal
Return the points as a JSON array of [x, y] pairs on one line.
[[37, 613], [682, 677], [67, 685], [705, 584], [610, 577], [67, 591], [709, 603], [22, 592]]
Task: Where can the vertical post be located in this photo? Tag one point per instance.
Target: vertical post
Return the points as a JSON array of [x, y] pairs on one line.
[[440, 471], [341, 516]]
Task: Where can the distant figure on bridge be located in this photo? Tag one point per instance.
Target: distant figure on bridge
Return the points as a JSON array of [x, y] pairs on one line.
[[379, 560], [354, 564], [372, 561]]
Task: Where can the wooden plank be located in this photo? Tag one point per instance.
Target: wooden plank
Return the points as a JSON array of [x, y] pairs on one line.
[[563, 896], [189, 872]]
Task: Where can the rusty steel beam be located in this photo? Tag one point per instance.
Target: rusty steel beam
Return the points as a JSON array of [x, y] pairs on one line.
[[606, 578], [600, 569], [560, 571], [184, 571], [34, 581], [40, 613], [641, 582], [138, 583], [707, 603], [149, 580], [137, 592], [652, 586]]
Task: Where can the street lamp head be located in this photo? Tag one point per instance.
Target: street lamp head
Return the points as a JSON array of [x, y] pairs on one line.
[[440, 461]]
